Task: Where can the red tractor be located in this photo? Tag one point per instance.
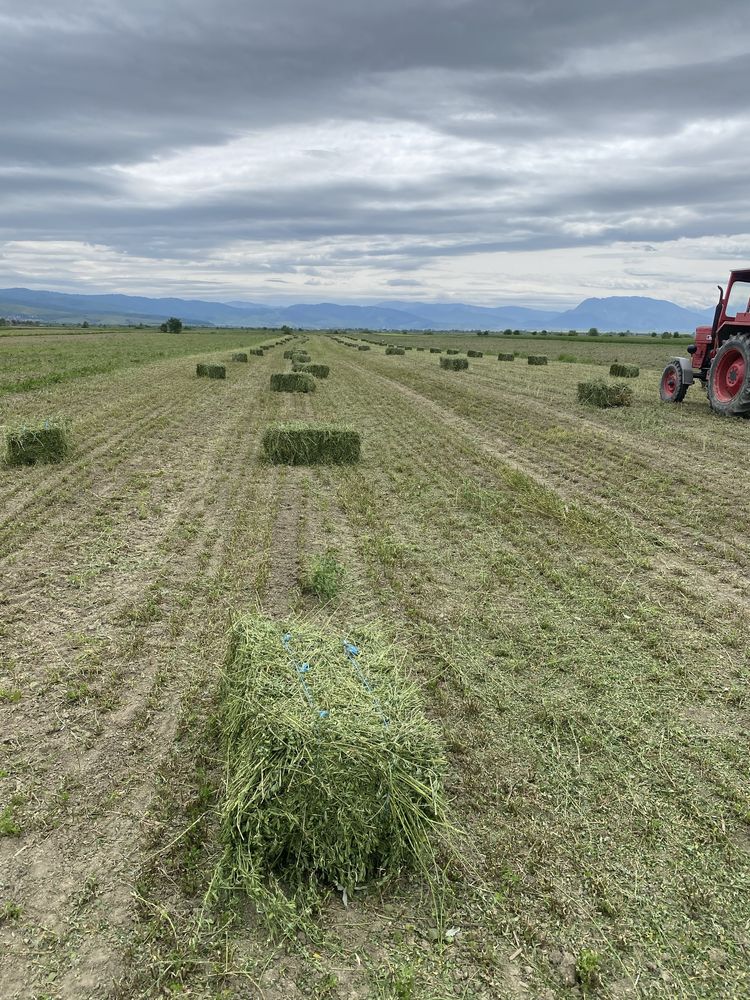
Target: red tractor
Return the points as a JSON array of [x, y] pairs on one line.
[[720, 356]]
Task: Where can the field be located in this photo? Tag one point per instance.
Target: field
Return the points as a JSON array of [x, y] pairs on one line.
[[572, 589]]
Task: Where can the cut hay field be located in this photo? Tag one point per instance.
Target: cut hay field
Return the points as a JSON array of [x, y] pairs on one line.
[[570, 587]]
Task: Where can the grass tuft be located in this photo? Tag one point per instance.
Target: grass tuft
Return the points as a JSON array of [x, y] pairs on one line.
[[323, 576]]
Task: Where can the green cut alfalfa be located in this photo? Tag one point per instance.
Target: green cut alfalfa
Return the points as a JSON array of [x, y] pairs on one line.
[[474, 354], [364, 347], [292, 382], [624, 371], [319, 371], [239, 356], [333, 774], [452, 350], [454, 364], [506, 357], [435, 350], [395, 350], [537, 359], [37, 444], [210, 371], [299, 443], [599, 393]]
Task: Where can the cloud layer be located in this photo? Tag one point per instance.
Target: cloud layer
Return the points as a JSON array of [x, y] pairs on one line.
[[342, 149]]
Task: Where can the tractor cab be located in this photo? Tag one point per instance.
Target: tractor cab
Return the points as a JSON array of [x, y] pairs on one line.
[[720, 356]]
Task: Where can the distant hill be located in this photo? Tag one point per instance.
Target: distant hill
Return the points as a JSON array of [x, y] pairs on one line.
[[614, 313]]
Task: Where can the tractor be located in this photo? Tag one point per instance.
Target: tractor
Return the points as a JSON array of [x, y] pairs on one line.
[[720, 356]]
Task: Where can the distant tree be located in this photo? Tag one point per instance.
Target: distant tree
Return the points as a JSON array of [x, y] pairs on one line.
[[593, 332], [675, 334], [3, 321], [85, 325], [173, 325], [654, 333], [666, 335]]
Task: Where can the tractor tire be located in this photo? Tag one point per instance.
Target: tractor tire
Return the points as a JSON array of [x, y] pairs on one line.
[[729, 378], [673, 385]]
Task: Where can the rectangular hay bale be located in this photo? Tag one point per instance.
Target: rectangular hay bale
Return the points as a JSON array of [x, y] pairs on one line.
[[239, 356], [333, 773], [210, 371], [598, 393], [364, 347], [506, 357], [38, 444], [299, 443], [292, 382], [618, 370], [474, 354], [319, 371], [454, 364], [395, 350], [537, 359]]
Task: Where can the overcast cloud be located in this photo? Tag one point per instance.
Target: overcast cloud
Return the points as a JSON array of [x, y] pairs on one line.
[[489, 151]]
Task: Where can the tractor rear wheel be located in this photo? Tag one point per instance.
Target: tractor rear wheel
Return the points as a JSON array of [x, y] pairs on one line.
[[729, 378], [673, 385]]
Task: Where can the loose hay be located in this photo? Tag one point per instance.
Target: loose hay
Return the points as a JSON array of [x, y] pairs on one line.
[[299, 443], [239, 356], [39, 444], [506, 357], [319, 371], [454, 364], [599, 393], [292, 382], [395, 350], [210, 371], [624, 371], [537, 359], [334, 776]]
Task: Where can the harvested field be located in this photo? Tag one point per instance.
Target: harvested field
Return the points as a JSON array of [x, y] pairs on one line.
[[534, 562]]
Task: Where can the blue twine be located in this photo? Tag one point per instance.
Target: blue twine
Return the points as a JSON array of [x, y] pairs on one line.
[[302, 669], [352, 652]]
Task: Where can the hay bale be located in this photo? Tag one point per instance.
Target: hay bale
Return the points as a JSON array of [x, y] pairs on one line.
[[395, 350], [537, 359], [311, 444], [210, 371], [624, 371], [454, 364], [435, 350], [37, 444], [420, 348], [598, 393], [301, 356], [257, 351], [288, 355], [319, 371], [334, 775], [363, 347], [474, 354], [292, 382], [452, 350], [239, 356], [506, 357]]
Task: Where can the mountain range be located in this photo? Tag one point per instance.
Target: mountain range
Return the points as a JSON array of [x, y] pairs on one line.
[[613, 313]]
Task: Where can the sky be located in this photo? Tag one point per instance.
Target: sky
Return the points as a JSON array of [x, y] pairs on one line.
[[532, 152]]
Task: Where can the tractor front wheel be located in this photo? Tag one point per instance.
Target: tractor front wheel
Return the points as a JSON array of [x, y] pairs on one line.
[[673, 385], [729, 378]]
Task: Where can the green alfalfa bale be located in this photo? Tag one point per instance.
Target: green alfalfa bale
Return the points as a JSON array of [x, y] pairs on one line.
[[599, 393], [44, 443], [395, 350], [454, 364], [210, 371], [420, 348], [288, 355], [624, 371], [239, 356], [319, 371], [257, 351], [334, 776], [301, 356], [299, 443], [506, 357], [537, 359], [364, 347], [474, 354], [435, 350], [452, 350], [292, 382]]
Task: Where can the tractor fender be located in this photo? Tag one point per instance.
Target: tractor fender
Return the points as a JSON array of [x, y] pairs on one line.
[[687, 369]]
